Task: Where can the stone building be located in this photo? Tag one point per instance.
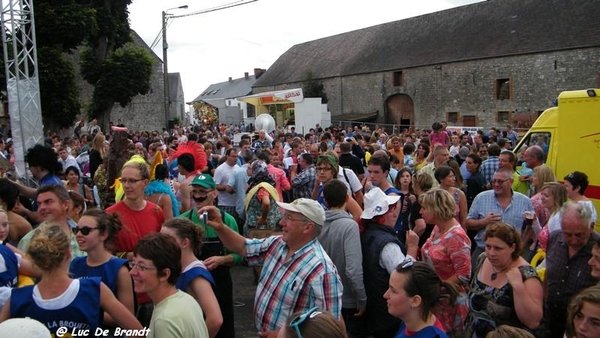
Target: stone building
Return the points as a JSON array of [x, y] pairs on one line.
[[223, 97], [145, 112], [484, 64]]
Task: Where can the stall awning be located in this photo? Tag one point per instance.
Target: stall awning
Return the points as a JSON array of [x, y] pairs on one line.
[[358, 117], [275, 97]]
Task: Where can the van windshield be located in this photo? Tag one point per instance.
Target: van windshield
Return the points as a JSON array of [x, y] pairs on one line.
[[541, 139]]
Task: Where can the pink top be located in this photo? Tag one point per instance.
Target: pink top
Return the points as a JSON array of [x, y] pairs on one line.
[[450, 254], [281, 181], [540, 211], [441, 138]]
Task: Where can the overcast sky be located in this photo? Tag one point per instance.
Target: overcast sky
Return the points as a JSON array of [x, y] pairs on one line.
[[211, 47]]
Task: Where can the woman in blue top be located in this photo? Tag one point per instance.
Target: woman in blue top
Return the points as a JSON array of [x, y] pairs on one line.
[[195, 279], [59, 301], [94, 230], [414, 291]]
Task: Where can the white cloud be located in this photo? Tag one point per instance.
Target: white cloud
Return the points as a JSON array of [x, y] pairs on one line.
[[211, 47]]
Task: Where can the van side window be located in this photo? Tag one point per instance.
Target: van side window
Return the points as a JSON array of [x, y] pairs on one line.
[[541, 139]]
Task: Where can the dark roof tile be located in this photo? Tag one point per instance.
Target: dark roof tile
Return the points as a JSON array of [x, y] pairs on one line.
[[488, 29]]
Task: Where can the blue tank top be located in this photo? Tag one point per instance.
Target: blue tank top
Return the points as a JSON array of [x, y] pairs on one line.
[[108, 271], [9, 277], [82, 313], [184, 280]]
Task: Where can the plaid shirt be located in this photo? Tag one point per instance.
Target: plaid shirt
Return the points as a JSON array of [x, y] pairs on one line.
[[306, 279], [486, 202], [304, 183], [489, 167], [566, 275]]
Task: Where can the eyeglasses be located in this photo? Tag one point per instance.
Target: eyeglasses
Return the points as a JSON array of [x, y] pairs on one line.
[[201, 193], [499, 181], [323, 169], [301, 318], [84, 230], [129, 180], [140, 267], [289, 218]]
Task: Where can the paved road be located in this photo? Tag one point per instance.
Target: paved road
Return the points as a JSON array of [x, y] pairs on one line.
[[243, 298]]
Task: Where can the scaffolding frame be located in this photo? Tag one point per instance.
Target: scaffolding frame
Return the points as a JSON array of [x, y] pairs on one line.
[[22, 80]]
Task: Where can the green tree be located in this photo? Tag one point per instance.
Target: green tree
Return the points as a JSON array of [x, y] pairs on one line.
[[117, 72], [59, 94], [61, 26], [121, 76], [312, 87]]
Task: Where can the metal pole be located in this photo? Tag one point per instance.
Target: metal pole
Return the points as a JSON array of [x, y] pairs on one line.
[[165, 69]]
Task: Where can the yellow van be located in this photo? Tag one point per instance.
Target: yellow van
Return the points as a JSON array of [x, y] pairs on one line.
[[570, 135]]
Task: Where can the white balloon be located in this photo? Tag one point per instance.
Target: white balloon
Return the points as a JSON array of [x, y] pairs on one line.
[[265, 122]]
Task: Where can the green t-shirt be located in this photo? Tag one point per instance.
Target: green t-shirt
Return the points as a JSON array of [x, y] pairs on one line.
[[75, 251], [228, 220], [519, 186]]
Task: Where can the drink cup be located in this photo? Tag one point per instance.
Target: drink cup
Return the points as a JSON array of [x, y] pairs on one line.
[[529, 217]]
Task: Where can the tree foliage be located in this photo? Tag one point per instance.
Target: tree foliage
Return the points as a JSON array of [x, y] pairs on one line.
[[123, 75], [59, 94], [312, 87], [63, 23], [117, 71]]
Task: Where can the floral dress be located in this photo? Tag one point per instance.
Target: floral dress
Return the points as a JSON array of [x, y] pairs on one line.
[[450, 255], [492, 307]]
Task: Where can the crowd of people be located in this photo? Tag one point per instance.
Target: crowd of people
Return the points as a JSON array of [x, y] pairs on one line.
[[351, 233]]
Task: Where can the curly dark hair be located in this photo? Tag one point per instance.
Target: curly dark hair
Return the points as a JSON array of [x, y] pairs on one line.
[[43, 157]]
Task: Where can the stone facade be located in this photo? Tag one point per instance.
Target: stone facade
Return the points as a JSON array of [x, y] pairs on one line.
[[464, 92], [145, 112]]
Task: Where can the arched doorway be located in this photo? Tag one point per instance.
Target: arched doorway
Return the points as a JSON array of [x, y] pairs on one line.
[[400, 110]]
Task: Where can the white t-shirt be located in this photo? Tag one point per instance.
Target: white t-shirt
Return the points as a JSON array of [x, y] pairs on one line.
[[222, 174], [349, 177]]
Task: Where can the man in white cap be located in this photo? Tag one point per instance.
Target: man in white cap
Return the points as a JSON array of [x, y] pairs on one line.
[[382, 252], [297, 273]]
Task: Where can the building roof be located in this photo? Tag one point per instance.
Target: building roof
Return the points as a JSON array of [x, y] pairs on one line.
[[488, 29], [228, 89], [137, 39]]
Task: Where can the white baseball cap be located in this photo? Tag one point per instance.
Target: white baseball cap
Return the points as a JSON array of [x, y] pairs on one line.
[[377, 203], [311, 209]]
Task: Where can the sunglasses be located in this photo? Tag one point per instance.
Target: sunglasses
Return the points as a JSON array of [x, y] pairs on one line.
[[84, 230], [301, 318]]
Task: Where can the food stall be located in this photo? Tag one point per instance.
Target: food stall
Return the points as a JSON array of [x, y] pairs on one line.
[[290, 108]]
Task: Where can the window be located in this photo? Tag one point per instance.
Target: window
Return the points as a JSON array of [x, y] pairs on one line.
[[469, 120], [503, 117], [541, 139], [398, 79], [503, 90], [452, 117], [250, 110]]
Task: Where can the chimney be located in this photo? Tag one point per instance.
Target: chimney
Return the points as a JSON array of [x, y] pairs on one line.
[[258, 72], [246, 76], [230, 79]]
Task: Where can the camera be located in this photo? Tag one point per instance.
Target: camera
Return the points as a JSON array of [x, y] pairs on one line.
[[204, 217]]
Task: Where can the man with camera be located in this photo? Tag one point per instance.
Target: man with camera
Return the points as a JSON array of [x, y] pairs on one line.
[[297, 272], [215, 255]]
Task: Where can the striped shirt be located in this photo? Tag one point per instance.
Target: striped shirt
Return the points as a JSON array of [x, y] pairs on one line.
[[306, 279]]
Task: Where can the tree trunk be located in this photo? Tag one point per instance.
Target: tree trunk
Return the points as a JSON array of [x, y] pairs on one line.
[[103, 116]]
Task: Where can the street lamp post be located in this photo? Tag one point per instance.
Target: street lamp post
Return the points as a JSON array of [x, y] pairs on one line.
[[167, 98]]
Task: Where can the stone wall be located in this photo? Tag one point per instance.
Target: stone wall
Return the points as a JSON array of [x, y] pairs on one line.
[[145, 112], [467, 87]]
